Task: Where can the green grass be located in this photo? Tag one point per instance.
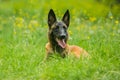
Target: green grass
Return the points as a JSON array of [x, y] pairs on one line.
[[23, 35]]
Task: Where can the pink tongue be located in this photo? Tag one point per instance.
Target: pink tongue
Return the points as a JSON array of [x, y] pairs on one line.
[[62, 43]]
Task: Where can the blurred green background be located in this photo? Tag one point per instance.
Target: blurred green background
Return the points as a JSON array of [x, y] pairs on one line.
[[84, 8], [94, 26]]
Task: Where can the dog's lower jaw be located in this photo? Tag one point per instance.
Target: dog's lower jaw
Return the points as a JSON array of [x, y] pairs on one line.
[[61, 42], [58, 49]]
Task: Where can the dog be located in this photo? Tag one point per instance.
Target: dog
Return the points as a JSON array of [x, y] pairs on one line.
[[58, 37]]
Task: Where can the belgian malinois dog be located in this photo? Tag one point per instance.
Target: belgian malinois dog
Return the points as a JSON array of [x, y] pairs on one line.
[[58, 37]]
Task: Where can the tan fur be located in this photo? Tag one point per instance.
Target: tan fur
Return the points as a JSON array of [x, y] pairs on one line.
[[70, 49], [58, 31]]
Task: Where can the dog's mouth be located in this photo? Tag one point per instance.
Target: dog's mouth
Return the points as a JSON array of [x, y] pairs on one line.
[[61, 42]]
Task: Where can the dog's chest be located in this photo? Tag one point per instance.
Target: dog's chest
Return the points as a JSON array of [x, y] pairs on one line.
[[60, 51]]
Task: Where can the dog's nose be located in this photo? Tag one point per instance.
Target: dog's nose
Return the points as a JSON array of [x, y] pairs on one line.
[[62, 36]]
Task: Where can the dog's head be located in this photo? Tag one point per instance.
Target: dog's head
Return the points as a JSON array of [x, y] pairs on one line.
[[58, 29]]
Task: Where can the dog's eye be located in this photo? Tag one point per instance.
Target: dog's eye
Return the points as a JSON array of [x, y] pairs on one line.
[[56, 29], [64, 27]]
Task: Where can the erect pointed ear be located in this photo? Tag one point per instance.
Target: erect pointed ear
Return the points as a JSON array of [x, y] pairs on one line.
[[51, 18], [66, 18]]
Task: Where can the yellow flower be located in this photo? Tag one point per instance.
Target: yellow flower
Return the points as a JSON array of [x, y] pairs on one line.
[[19, 22], [116, 22], [33, 24], [111, 17], [30, 27], [20, 19], [70, 32], [92, 19], [14, 33], [46, 26], [88, 37]]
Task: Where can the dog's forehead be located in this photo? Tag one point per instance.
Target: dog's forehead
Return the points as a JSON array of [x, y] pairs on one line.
[[60, 23]]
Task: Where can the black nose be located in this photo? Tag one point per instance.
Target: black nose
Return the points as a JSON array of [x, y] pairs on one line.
[[62, 36]]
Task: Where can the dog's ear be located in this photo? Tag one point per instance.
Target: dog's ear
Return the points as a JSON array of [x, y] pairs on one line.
[[51, 18], [66, 18]]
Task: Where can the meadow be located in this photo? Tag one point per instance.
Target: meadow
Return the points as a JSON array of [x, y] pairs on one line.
[[23, 35]]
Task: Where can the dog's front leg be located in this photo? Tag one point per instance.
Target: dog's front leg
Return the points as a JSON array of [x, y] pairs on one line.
[[49, 51]]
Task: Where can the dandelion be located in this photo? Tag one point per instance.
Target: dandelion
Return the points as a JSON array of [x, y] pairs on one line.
[[88, 37], [111, 17], [20, 19], [19, 22], [116, 22], [46, 26], [92, 19], [30, 27], [33, 24], [14, 33], [70, 32]]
